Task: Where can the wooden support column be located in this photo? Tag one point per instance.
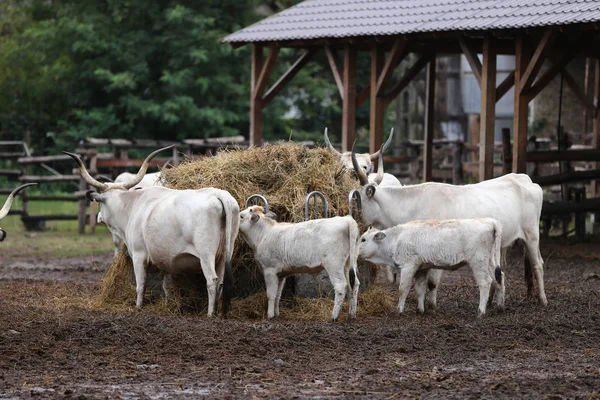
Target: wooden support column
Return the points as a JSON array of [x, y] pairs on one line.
[[256, 102], [520, 109], [488, 111], [596, 135], [429, 120], [377, 102], [349, 98]]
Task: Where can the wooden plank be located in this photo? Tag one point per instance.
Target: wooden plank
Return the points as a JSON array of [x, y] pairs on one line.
[[539, 55], [550, 156], [12, 155], [225, 139], [505, 86], [550, 73], [595, 189], [349, 98], [429, 120], [288, 75], [585, 101], [49, 217], [363, 96], [255, 135], [55, 198], [10, 172], [130, 162], [266, 71], [397, 54], [586, 90], [408, 77], [334, 70], [567, 177], [376, 102], [589, 205], [520, 115], [472, 59], [506, 151], [49, 178], [488, 111], [43, 159]]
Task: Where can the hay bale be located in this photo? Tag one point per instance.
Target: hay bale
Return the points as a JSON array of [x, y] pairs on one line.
[[283, 173]]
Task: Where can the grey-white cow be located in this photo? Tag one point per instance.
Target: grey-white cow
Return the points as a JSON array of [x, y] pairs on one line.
[[513, 199], [284, 249], [174, 230], [6, 207], [440, 244]]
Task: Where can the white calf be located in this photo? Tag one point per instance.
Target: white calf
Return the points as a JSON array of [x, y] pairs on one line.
[[440, 244]]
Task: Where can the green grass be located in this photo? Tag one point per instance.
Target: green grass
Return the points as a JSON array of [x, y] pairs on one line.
[[60, 238]]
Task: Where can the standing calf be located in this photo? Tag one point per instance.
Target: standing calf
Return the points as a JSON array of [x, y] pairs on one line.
[[439, 244], [284, 249]]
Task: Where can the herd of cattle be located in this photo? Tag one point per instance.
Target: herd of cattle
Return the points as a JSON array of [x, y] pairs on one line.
[[419, 230]]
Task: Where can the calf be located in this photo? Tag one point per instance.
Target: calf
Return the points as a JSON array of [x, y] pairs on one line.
[[284, 249], [439, 244]]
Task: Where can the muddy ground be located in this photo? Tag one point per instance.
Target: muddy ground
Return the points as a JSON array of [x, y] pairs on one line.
[[54, 342]]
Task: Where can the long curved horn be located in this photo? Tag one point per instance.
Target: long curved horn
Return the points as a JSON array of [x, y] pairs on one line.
[[140, 175], [328, 143], [6, 208], [387, 144], [379, 176], [362, 176], [85, 174]]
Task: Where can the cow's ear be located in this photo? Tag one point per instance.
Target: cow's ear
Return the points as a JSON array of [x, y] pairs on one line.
[[379, 236], [92, 195], [271, 215], [254, 217], [370, 191]]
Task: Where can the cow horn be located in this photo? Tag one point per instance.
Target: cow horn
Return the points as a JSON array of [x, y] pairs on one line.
[[379, 176], [6, 208], [86, 175], [362, 177], [328, 143], [140, 175], [387, 144]]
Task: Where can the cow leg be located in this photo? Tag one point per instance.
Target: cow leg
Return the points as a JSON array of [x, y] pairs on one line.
[[280, 286], [532, 241], [407, 273], [434, 278], [207, 262], [272, 284], [352, 291], [166, 285], [491, 296], [421, 289], [339, 284], [483, 280], [390, 273], [220, 274], [117, 244], [139, 269], [501, 293]]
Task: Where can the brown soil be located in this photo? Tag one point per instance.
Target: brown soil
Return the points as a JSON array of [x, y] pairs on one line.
[[55, 344]]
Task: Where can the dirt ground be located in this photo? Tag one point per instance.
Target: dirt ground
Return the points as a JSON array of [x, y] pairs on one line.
[[55, 344]]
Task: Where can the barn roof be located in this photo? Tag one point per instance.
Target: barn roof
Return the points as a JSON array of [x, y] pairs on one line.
[[319, 19]]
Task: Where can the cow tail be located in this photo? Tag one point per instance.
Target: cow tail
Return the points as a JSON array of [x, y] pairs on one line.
[[496, 256], [353, 237], [230, 221]]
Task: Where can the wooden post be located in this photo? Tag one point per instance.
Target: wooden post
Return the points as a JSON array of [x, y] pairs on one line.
[[377, 102], [429, 121], [520, 109], [586, 89], [457, 170], [349, 98], [488, 111], [93, 206], [256, 101], [596, 136], [82, 210], [506, 151]]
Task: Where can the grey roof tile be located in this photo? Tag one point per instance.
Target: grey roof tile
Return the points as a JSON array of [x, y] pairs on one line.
[[314, 19]]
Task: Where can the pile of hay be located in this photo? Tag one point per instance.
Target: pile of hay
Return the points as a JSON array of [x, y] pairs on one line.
[[283, 173]]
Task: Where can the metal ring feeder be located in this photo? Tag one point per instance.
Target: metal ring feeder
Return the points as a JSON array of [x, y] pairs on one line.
[[314, 195]]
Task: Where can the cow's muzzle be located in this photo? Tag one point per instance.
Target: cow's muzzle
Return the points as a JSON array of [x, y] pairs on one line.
[[2, 235]]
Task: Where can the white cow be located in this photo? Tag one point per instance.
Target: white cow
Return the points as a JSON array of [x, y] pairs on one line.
[[174, 230], [440, 244], [152, 179], [6, 208], [284, 249], [513, 199]]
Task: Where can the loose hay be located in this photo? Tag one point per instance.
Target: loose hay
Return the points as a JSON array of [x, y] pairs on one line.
[[284, 174]]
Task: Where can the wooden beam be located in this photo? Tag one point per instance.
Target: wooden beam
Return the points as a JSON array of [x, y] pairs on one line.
[[265, 72], [377, 104], [564, 207], [550, 74], [488, 111], [363, 96], [429, 121], [397, 54], [255, 135], [288, 75], [537, 59], [505, 86], [567, 177], [408, 77], [472, 59], [595, 190], [550, 156], [521, 102], [349, 98], [586, 90], [335, 70], [586, 102]]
